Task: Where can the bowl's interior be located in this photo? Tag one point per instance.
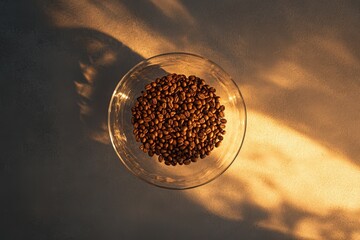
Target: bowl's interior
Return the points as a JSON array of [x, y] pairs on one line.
[[149, 169]]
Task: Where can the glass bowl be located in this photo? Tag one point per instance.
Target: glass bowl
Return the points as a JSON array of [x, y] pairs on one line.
[[149, 168]]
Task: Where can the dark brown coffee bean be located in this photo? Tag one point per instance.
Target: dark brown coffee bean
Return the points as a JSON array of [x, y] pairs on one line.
[[147, 145], [201, 96], [187, 161], [211, 135], [148, 87], [208, 130]]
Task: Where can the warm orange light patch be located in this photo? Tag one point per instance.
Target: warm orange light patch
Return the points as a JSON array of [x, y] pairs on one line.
[[280, 167], [287, 75], [291, 181], [175, 10], [114, 19]]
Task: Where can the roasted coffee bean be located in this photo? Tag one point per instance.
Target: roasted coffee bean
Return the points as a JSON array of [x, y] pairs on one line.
[[148, 87], [201, 96], [223, 120], [187, 161], [179, 119]]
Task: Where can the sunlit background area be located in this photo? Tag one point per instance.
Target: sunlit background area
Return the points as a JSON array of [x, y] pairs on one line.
[[300, 78], [297, 64]]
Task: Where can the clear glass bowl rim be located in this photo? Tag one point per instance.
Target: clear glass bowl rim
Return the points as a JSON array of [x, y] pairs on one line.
[[169, 54]]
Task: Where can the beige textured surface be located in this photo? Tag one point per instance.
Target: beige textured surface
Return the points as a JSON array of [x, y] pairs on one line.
[[297, 64]]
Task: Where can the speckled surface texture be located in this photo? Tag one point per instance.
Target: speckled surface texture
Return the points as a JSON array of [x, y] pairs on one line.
[[297, 64]]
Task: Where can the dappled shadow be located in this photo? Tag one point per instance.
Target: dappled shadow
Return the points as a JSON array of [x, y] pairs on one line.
[[304, 73], [301, 73], [57, 181], [103, 61], [297, 64]]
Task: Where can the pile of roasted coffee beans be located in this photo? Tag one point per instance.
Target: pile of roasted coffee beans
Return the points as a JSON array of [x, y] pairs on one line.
[[178, 118]]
